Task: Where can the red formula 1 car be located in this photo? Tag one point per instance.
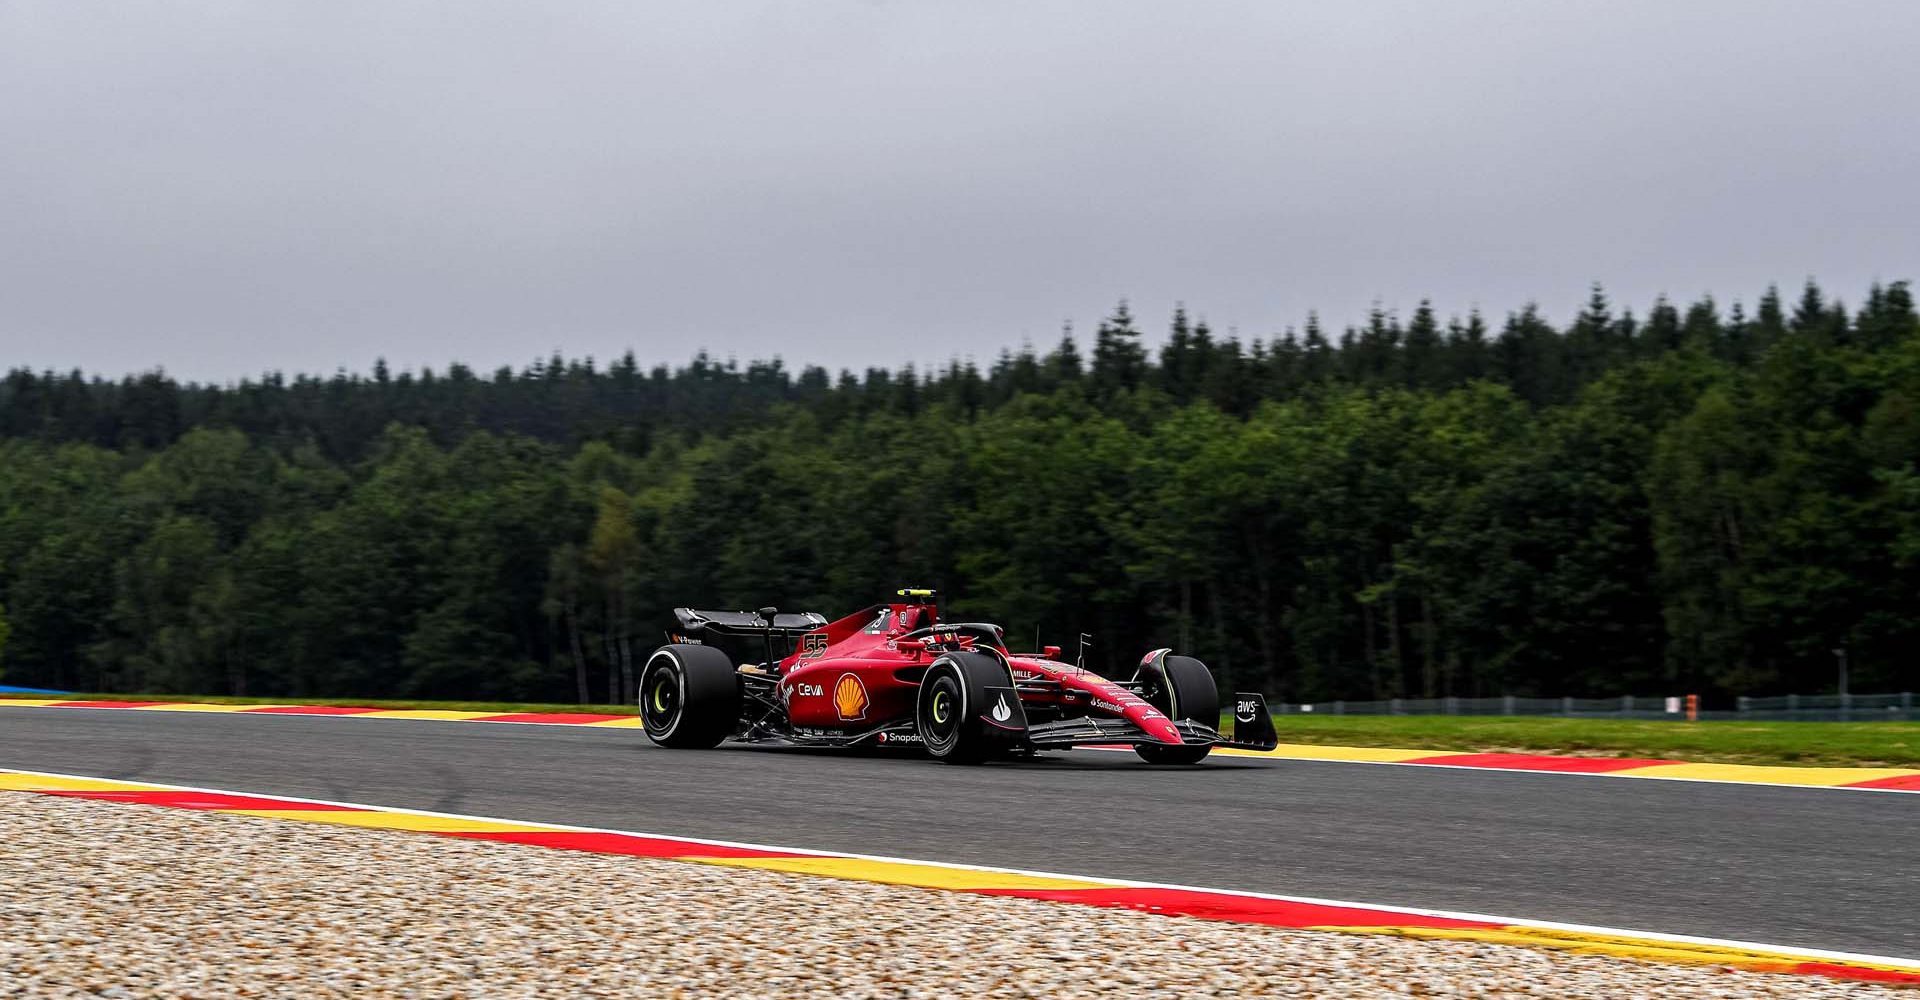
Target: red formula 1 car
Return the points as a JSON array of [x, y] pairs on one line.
[[894, 675]]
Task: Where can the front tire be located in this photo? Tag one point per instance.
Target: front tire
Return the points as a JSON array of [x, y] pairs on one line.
[[689, 697], [947, 711], [1182, 688]]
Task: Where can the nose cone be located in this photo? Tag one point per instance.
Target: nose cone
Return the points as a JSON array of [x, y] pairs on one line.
[[1156, 725]]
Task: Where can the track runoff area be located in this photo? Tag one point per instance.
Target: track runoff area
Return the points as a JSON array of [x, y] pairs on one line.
[[1273, 910]]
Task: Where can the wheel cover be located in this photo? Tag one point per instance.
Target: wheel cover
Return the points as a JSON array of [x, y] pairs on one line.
[[940, 722], [660, 707]]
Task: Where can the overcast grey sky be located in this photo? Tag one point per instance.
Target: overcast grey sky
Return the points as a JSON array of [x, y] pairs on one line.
[[224, 188]]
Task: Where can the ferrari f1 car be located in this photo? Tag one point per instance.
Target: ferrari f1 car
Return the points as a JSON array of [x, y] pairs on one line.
[[895, 675]]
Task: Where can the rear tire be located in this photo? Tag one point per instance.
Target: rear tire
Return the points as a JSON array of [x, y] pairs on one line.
[[1182, 688], [689, 697]]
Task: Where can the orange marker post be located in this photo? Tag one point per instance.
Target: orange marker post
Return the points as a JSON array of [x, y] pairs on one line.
[[1693, 708]]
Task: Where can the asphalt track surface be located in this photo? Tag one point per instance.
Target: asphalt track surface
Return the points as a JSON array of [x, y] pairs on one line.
[[1814, 868]]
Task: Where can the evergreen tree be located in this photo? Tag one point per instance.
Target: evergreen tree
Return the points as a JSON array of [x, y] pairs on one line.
[[1470, 356], [1317, 362], [1662, 333], [1590, 341], [1119, 362], [1376, 349], [1280, 367], [1424, 367], [1528, 357], [1063, 365], [1770, 321], [1702, 330], [1814, 318], [1887, 318], [1181, 360], [1736, 342]]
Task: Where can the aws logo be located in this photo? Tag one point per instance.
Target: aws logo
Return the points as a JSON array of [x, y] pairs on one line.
[[850, 698]]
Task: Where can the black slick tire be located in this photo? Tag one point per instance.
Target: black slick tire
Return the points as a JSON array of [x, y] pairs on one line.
[[1181, 687], [689, 697], [947, 710]]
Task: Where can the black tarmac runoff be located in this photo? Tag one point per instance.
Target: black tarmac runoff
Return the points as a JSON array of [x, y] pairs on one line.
[[1792, 867]]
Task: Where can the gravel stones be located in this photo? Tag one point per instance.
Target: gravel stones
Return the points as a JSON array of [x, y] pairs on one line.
[[106, 900]]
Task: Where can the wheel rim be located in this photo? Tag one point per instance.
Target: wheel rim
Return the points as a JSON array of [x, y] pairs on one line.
[[660, 700], [941, 721], [1154, 693]]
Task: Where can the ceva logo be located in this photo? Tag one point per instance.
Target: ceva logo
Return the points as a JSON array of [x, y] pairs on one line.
[[850, 698]]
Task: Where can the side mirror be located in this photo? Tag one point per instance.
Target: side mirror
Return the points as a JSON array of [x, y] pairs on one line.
[[912, 646], [1050, 652]]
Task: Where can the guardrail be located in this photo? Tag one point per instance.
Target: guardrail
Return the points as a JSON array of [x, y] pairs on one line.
[[1832, 707], [1809, 708]]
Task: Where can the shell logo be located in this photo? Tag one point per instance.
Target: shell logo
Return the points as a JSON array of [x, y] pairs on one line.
[[850, 698]]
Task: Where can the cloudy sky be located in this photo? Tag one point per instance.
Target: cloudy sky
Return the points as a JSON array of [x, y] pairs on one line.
[[225, 188]]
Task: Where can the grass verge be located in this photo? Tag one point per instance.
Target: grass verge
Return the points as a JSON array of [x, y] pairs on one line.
[[1834, 744]]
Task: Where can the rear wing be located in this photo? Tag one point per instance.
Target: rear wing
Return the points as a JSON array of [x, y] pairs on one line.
[[694, 622]]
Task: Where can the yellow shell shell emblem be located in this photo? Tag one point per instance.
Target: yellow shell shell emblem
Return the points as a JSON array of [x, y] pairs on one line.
[[850, 698]]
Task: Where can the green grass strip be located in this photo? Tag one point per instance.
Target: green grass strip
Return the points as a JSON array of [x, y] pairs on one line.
[[1827, 744]]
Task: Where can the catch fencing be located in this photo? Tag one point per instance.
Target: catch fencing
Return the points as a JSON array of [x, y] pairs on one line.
[[1798, 707]]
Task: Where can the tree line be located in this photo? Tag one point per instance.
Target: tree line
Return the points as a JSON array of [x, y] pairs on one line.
[[1699, 499]]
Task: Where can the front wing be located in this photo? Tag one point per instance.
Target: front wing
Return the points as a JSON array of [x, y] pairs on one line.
[[1252, 730]]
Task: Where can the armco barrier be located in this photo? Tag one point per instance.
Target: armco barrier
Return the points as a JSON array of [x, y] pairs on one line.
[[1807, 708]]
